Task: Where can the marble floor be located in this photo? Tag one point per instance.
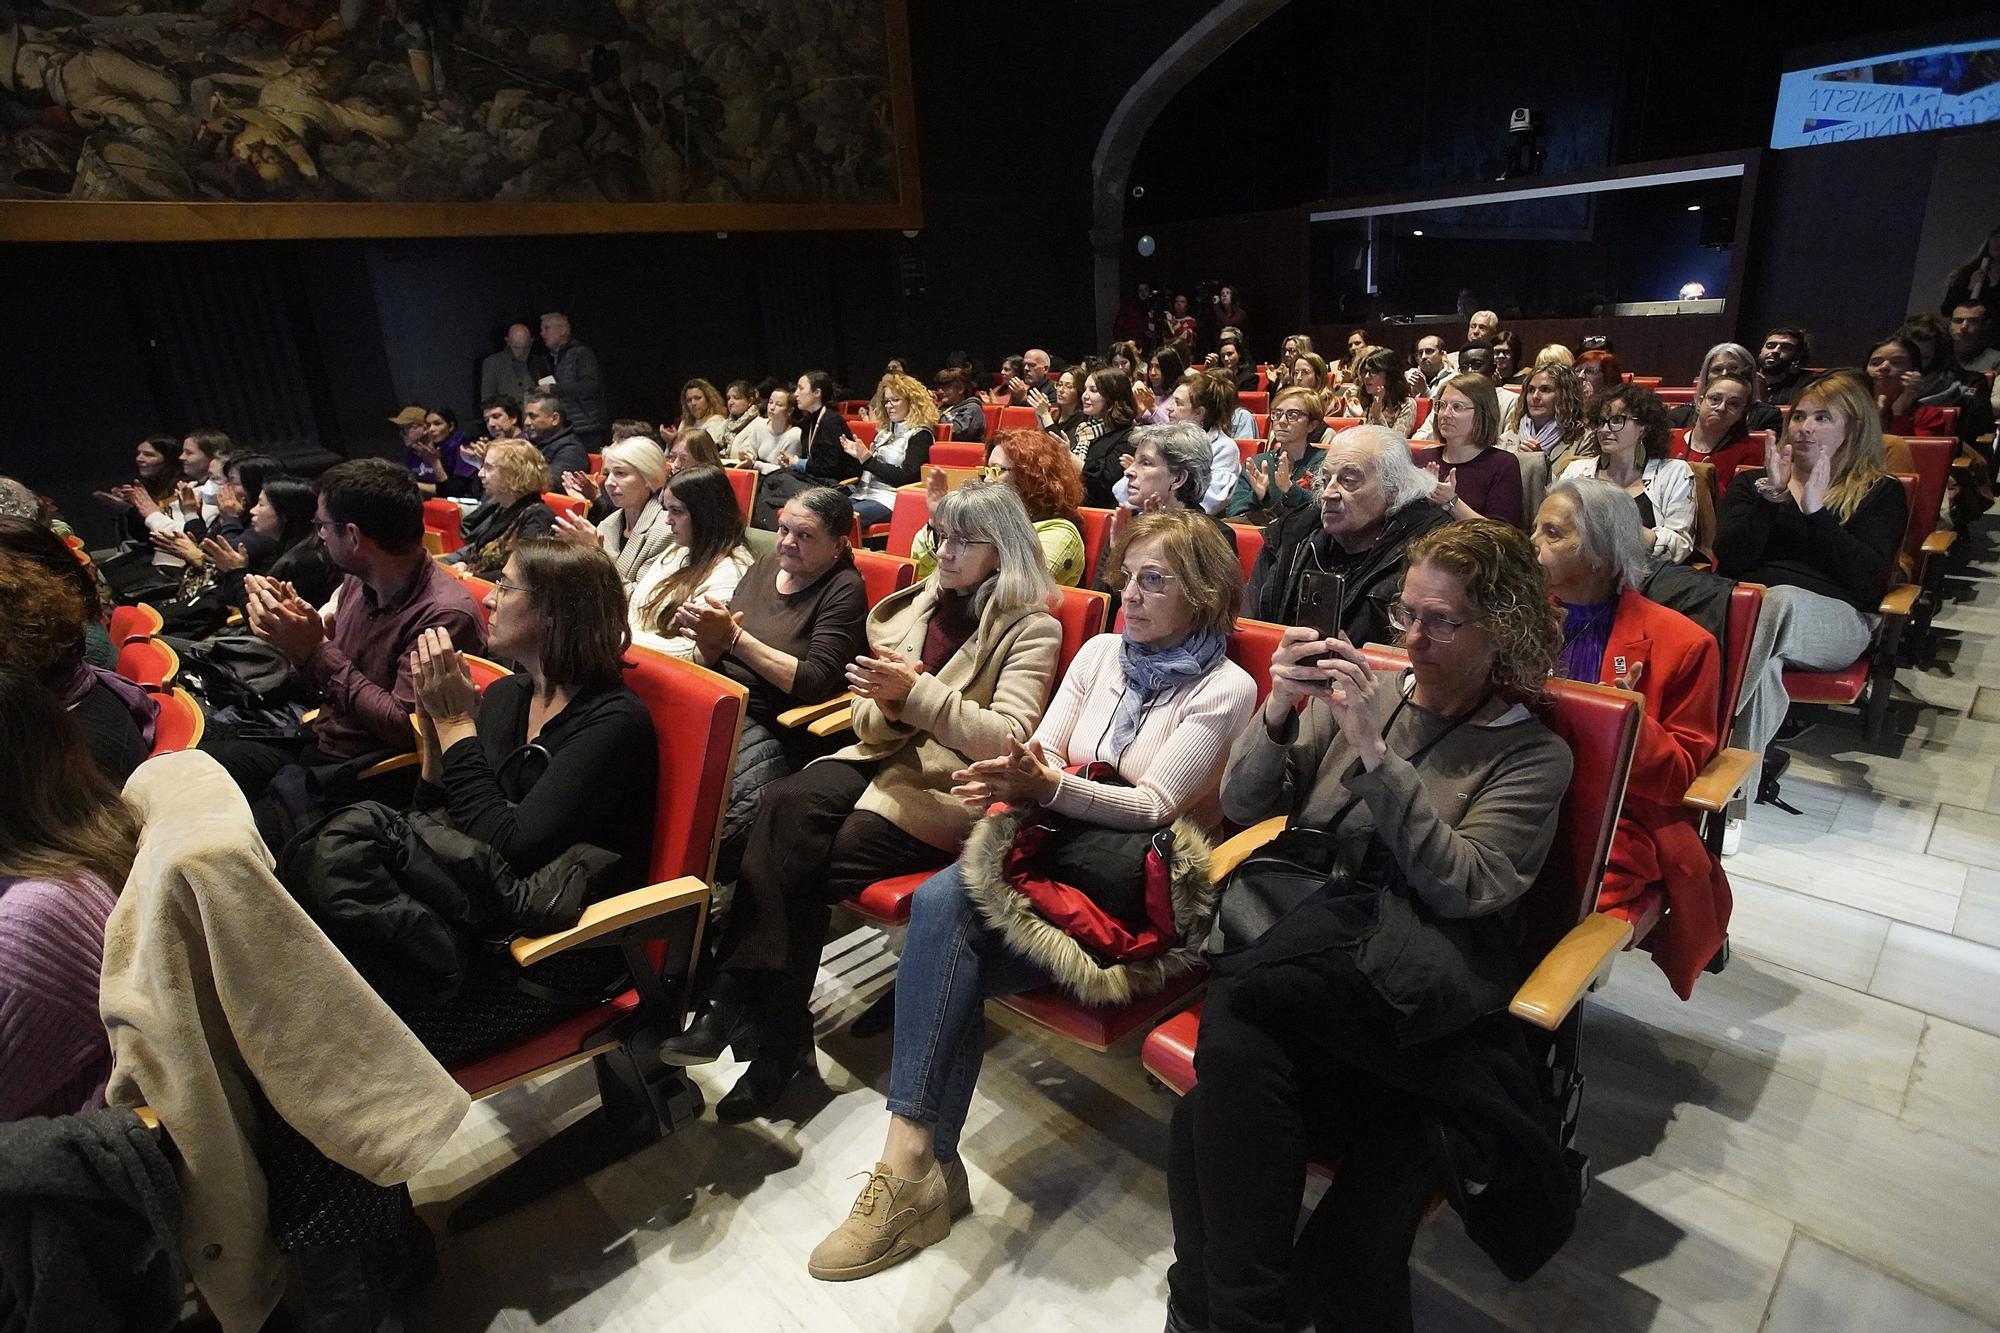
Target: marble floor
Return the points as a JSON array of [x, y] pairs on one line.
[[1811, 1144]]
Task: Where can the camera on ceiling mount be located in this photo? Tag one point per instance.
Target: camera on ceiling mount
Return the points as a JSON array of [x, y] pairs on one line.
[[1524, 147]]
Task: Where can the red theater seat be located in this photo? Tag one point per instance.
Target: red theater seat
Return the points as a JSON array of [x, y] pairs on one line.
[[959, 455]]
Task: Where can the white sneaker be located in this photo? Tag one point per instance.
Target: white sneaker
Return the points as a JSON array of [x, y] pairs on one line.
[[1732, 837]]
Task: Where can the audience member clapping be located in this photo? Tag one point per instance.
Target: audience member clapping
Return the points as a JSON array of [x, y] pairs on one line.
[[957, 668], [511, 475], [771, 443], [705, 560], [629, 527], [904, 416], [1819, 526], [1475, 478], [1042, 472]]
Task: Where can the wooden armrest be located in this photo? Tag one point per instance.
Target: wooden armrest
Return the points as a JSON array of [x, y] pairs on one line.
[[833, 723], [390, 765], [1961, 463], [1714, 785], [1939, 542], [1900, 600], [1222, 862], [804, 713], [1579, 960], [148, 1117], [601, 918]]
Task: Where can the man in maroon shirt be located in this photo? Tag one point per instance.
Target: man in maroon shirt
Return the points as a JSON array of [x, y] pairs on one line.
[[355, 655]]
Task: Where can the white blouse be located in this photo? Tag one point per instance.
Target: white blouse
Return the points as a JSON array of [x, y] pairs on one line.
[[1669, 484], [721, 585]]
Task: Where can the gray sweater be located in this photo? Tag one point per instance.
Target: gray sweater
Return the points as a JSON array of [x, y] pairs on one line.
[[1469, 827]]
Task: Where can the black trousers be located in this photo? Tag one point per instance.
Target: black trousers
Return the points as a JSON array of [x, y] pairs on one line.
[[809, 849], [1267, 1105], [253, 760]]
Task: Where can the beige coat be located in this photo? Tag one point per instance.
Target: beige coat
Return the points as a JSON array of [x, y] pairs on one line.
[[995, 686], [215, 985]]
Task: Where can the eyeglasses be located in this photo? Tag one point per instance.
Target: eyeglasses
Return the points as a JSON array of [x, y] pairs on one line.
[[1614, 424], [502, 585], [1438, 628], [325, 525], [1290, 414], [940, 539], [1149, 580], [995, 471], [1447, 408]]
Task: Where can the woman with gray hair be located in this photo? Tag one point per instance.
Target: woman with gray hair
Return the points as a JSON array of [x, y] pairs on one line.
[[958, 666], [1167, 470], [1588, 540], [1731, 359], [1337, 565]]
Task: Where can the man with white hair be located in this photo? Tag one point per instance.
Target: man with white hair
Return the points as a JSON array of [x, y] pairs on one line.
[[573, 373], [514, 370], [1338, 565]]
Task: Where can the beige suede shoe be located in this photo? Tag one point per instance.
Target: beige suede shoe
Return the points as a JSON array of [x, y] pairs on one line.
[[957, 1189], [891, 1220]]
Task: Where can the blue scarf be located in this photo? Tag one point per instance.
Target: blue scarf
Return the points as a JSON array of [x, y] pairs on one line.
[[1151, 672]]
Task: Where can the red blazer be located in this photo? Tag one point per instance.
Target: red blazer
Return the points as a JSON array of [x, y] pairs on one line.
[[1658, 840], [1747, 452]]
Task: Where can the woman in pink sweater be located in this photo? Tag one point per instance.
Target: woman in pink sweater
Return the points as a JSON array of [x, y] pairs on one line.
[[66, 841], [1135, 740]]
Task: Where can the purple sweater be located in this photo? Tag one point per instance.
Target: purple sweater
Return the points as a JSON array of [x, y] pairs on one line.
[[54, 1055]]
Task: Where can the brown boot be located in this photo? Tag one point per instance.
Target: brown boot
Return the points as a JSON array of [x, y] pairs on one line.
[[891, 1220]]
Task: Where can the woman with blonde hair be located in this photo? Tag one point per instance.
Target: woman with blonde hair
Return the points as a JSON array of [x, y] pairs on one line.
[[957, 668], [702, 408], [512, 474], [1549, 418], [905, 417], [1819, 526], [1555, 354], [1278, 480], [629, 527]]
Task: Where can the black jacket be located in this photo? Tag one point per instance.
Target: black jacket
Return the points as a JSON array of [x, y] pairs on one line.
[[90, 1217], [1773, 543], [417, 906], [1364, 585], [563, 452], [826, 462], [1103, 466]]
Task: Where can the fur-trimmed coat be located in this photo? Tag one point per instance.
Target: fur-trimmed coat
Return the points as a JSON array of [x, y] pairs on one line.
[[1006, 909]]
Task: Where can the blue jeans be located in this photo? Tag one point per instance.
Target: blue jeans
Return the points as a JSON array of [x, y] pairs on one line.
[[871, 512], [952, 963]]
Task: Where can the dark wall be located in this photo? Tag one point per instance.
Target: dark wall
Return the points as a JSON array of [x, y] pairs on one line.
[[1006, 128]]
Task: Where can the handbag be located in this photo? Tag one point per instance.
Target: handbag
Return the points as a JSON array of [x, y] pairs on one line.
[[1304, 865]]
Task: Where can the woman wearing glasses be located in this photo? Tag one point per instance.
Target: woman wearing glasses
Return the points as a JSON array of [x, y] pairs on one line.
[[1380, 394], [1633, 438], [1039, 468], [1443, 788], [1134, 740], [1279, 480], [957, 668], [1474, 477], [1717, 425]]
